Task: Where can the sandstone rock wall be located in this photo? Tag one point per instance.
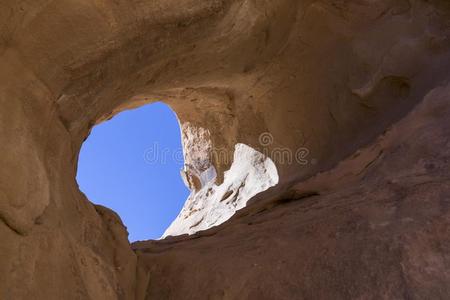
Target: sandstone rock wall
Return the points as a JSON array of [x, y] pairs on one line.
[[328, 76], [331, 86], [376, 227]]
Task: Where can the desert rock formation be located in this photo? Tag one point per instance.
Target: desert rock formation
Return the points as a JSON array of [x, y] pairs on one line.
[[250, 174], [375, 227], [362, 85]]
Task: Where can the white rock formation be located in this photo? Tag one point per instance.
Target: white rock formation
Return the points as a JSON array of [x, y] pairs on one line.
[[251, 173]]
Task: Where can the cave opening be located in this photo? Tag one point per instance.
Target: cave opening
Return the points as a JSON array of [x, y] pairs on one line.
[[131, 164]]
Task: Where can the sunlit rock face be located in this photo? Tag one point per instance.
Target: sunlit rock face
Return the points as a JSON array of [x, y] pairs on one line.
[[213, 199], [327, 76], [251, 173]]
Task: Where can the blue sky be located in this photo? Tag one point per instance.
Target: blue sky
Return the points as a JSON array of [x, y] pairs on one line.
[[122, 166]]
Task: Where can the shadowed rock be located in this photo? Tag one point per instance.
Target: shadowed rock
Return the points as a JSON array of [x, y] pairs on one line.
[[362, 212]]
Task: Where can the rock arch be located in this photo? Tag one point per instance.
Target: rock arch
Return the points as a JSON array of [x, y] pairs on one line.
[[327, 76]]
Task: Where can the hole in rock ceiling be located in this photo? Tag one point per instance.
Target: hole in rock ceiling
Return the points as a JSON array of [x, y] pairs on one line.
[[131, 164]]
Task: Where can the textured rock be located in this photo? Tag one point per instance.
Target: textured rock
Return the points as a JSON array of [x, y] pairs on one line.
[[379, 230], [251, 173], [328, 77]]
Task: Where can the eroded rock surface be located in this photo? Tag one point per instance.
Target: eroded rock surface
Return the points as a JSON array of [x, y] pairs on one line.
[[326, 76], [250, 174], [382, 231]]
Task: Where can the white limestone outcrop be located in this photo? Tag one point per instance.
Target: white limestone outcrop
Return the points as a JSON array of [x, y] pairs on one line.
[[251, 173]]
